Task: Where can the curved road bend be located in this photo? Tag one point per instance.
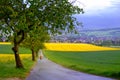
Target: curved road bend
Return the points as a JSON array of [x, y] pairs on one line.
[[48, 70]]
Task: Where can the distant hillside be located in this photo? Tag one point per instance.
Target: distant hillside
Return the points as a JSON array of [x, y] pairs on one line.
[[112, 32], [101, 29], [112, 36]]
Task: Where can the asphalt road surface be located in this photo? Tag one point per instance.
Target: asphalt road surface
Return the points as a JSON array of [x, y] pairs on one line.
[[48, 70]]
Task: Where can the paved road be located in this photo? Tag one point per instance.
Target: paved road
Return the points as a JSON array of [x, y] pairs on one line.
[[48, 70]]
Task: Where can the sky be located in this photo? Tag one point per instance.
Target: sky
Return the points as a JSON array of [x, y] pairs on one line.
[[99, 14]]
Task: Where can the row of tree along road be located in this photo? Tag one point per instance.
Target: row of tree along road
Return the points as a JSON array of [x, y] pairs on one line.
[[29, 23]]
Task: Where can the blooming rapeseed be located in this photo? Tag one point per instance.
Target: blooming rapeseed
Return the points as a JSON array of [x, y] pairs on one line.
[[5, 43], [75, 47], [72, 47], [10, 57]]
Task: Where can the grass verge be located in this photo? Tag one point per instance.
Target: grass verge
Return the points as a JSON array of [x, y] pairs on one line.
[[7, 63], [104, 63]]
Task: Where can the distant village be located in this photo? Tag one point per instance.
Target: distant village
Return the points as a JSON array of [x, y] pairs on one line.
[[103, 41]]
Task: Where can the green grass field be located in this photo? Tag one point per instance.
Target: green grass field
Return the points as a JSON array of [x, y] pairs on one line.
[[6, 49], [7, 63], [104, 63]]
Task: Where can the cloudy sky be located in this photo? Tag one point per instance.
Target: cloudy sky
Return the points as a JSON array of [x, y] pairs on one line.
[[99, 14]]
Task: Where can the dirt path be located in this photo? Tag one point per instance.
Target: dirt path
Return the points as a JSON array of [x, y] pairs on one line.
[[48, 70]]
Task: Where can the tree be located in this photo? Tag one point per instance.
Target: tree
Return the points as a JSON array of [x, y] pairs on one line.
[[36, 42], [18, 17]]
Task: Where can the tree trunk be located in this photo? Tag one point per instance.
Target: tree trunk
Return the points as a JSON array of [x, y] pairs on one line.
[[33, 54], [17, 57], [18, 38]]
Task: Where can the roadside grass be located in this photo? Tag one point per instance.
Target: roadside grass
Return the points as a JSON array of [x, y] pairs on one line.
[[7, 63], [104, 63]]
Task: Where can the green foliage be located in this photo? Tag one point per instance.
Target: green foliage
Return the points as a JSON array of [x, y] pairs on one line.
[[105, 63], [36, 39], [18, 18], [20, 15]]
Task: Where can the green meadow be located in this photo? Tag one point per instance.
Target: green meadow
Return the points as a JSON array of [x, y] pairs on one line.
[[6, 49], [104, 63]]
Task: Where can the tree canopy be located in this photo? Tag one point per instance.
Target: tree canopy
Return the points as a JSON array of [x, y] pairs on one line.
[[19, 17], [35, 40]]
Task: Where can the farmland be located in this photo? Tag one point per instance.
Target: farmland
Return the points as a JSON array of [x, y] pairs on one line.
[[105, 63], [7, 62], [88, 58], [75, 47]]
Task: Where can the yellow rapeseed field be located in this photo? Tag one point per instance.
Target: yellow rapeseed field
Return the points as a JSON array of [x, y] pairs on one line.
[[5, 43], [72, 47], [76, 47], [10, 57]]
